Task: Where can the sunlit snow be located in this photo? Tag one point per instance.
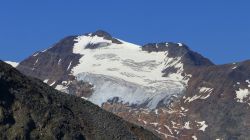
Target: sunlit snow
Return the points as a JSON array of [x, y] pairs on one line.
[[203, 125], [127, 72], [13, 64], [241, 94], [194, 138]]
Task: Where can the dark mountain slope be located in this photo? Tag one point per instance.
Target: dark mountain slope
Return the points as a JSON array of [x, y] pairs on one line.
[[29, 109]]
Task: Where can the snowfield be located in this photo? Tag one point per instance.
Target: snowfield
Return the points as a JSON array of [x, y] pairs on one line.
[[242, 94], [127, 72]]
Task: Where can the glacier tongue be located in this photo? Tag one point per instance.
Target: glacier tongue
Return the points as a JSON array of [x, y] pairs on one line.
[[106, 88]]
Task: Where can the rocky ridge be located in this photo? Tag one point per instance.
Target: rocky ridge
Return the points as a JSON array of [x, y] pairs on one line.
[[30, 109]]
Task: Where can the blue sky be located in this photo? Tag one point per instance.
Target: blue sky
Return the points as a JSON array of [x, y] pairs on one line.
[[218, 29]]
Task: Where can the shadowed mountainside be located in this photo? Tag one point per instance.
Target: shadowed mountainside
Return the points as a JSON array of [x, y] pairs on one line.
[[30, 109]]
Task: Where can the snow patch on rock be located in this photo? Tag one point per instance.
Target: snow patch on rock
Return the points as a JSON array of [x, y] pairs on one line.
[[52, 83], [180, 44], [205, 89], [155, 124], [156, 111], [13, 64], [59, 61], [242, 94], [187, 125], [62, 88], [203, 125], [35, 54], [46, 81], [194, 137], [248, 81], [69, 66], [234, 67], [190, 99]]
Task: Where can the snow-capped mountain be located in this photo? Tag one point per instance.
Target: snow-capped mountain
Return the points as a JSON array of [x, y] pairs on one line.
[[123, 70], [164, 87], [117, 69]]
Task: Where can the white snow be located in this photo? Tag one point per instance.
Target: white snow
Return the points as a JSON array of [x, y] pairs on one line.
[[205, 97], [46, 81], [35, 54], [13, 64], [145, 122], [157, 46], [194, 137], [155, 124], [109, 87], [195, 97], [187, 125], [45, 50], [62, 88], [238, 83], [234, 67], [131, 63], [203, 126], [180, 44], [84, 98], [52, 83], [127, 72], [200, 96], [69, 66], [241, 94], [59, 61], [174, 124], [248, 81], [156, 111], [36, 61], [205, 89], [59, 87]]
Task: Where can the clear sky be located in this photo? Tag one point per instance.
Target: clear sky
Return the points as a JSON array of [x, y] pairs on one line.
[[218, 29]]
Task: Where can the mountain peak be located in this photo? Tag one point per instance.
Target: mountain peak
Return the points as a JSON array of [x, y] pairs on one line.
[[164, 46], [189, 57], [101, 33], [105, 35]]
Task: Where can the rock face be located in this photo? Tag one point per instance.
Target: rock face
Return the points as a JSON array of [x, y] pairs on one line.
[[30, 109], [165, 87]]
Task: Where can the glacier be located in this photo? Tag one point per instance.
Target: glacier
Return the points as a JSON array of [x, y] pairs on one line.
[[127, 72]]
